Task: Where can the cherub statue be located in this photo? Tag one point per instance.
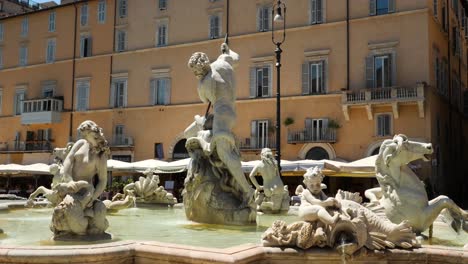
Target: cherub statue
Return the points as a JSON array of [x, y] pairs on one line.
[[314, 201]]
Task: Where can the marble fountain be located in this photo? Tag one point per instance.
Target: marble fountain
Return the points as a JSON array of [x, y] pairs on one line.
[[222, 218]]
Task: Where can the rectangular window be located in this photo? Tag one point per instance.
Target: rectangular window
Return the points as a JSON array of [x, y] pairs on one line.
[[162, 35], [23, 56], [102, 11], [435, 7], [82, 95], [20, 95], [2, 31], [24, 27], [263, 19], [384, 125], [381, 7], [316, 129], [316, 11], [123, 6], [215, 29], [119, 138], [121, 40], [84, 15], [259, 134], [52, 22], [85, 46], [314, 77], [1, 58], [162, 4], [119, 93], [158, 151], [50, 52], [160, 91], [382, 71], [260, 81]]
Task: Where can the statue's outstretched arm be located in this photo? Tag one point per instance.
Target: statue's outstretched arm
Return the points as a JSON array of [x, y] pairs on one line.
[[233, 58]]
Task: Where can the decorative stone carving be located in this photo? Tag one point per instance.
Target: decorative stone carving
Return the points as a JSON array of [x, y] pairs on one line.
[[355, 228], [79, 214], [216, 190], [147, 190], [273, 196], [120, 201], [401, 194], [50, 194]]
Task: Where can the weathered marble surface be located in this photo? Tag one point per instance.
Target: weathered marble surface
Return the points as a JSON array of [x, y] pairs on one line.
[[401, 195], [147, 190], [216, 190], [340, 222], [273, 196], [79, 215]]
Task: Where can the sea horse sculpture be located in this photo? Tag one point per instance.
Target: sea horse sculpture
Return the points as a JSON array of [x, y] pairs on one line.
[[401, 193]]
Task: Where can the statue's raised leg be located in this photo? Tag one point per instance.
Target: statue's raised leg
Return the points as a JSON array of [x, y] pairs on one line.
[[439, 203]]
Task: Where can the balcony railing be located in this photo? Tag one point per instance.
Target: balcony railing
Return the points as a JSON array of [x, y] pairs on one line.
[[39, 111], [310, 135], [121, 140], [26, 146], [383, 95], [257, 142]]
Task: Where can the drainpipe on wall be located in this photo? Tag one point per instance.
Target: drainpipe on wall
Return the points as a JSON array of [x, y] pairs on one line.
[[227, 17], [347, 45], [70, 134]]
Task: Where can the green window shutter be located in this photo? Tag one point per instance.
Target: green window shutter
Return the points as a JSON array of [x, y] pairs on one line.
[[305, 78], [270, 83], [372, 7], [319, 11], [313, 11], [253, 134], [391, 6], [167, 92], [112, 96], [324, 77], [370, 71], [253, 88], [153, 87]]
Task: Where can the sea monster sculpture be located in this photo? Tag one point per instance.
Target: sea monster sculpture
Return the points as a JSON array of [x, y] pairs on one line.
[[147, 189], [401, 194]]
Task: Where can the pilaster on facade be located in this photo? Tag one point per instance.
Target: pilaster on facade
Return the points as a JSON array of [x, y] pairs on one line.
[[391, 96]]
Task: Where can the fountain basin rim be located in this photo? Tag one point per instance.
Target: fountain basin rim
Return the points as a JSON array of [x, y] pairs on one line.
[[151, 251]]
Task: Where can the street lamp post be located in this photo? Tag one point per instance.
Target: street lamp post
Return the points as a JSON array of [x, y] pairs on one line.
[[278, 15]]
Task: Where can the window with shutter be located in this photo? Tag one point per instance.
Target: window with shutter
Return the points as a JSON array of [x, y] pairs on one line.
[[162, 35], [119, 93], [383, 125], [20, 95], [51, 21], [316, 11], [315, 84], [382, 71], [215, 26], [102, 11], [263, 19], [85, 46], [162, 4], [122, 6], [435, 7], [84, 15], [2, 31], [82, 95], [121, 40], [259, 134], [50, 52], [262, 81], [24, 27], [23, 59]]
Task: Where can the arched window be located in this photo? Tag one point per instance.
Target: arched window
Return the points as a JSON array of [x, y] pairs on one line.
[[180, 152], [317, 153]]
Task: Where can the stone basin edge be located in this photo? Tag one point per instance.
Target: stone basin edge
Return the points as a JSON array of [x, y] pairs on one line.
[[142, 252]]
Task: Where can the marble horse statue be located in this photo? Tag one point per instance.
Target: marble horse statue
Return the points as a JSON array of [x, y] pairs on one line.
[[401, 194]]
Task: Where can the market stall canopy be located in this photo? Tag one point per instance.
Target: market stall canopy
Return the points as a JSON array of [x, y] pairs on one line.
[[21, 170], [360, 168]]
